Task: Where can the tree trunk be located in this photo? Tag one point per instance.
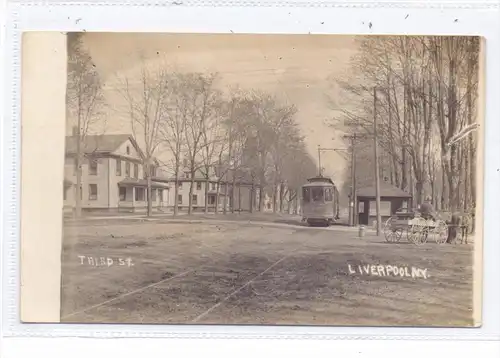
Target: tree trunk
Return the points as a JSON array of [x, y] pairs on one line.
[[207, 185], [275, 197], [252, 197], [78, 191], [261, 198], [207, 189], [176, 189], [419, 185], [79, 160], [282, 191], [150, 202], [444, 204], [216, 209], [226, 196], [190, 199], [233, 192], [239, 198]]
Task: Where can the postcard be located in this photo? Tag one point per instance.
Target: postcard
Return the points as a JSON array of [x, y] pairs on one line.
[[326, 180]]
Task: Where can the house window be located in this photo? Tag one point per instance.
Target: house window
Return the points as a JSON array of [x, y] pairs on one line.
[[153, 195], [180, 185], [185, 162], [179, 199], [139, 194], [128, 150], [122, 193], [160, 194], [195, 199], [211, 200], [187, 175], [152, 171], [136, 171], [214, 186], [127, 169], [92, 167], [118, 167], [92, 191], [65, 191], [198, 185]]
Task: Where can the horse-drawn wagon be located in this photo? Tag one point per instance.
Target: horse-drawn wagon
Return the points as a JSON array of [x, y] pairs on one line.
[[415, 228]]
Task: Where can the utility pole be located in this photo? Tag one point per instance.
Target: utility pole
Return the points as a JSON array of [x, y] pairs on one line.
[[377, 164], [353, 180], [352, 204], [319, 157], [319, 160]]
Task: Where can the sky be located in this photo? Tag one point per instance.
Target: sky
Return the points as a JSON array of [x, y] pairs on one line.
[[296, 68]]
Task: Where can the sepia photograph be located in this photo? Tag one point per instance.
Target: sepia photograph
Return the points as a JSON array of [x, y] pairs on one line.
[[326, 180]]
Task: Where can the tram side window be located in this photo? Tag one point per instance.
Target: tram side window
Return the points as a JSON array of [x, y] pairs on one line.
[[328, 194], [306, 195], [317, 194]]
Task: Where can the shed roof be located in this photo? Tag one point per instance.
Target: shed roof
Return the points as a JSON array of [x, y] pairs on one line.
[[386, 190]]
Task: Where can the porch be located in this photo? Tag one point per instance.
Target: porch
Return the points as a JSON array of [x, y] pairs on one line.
[[133, 195]]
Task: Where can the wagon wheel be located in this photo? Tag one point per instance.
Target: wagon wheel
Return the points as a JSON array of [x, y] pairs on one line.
[[418, 231], [390, 233], [440, 232], [393, 235]]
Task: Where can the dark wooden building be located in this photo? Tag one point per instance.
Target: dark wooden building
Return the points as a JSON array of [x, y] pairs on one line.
[[391, 200]]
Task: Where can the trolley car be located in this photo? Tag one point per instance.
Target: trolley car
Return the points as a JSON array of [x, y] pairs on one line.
[[320, 201]]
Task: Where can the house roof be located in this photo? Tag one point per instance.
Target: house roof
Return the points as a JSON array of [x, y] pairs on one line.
[[106, 143], [386, 190]]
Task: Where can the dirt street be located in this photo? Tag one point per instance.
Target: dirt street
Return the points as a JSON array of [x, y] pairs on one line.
[[238, 272]]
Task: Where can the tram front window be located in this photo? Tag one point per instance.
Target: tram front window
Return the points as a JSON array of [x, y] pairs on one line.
[[328, 194], [317, 194], [306, 195]]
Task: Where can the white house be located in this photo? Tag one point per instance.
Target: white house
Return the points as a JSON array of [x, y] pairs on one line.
[[113, 177]]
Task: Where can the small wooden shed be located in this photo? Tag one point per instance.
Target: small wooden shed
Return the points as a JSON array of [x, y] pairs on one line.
[[391, 200]]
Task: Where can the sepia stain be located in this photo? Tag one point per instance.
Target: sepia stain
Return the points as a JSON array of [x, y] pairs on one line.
[[78, 20], [407, 15], [456, 20], [370, 25]]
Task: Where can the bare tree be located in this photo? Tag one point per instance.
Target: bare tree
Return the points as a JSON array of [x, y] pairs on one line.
[[212, 141], [85, 101], [173, 131], [426, 86], [201, 98], [146, 102]]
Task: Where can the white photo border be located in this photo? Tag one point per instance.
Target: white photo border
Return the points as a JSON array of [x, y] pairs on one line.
[[300, 17]]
